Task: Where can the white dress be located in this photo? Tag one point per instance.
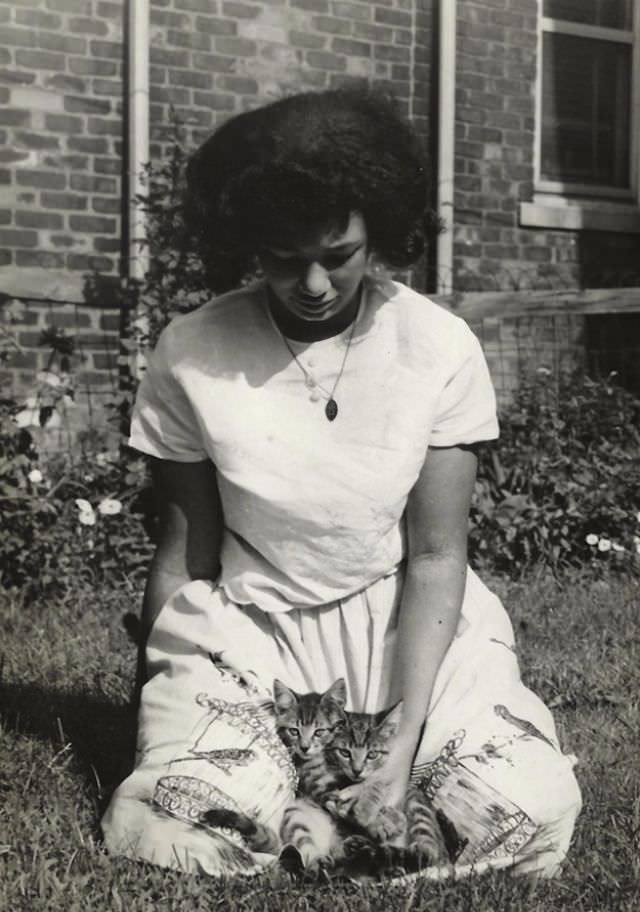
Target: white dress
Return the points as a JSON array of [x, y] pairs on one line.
[[310, 584]]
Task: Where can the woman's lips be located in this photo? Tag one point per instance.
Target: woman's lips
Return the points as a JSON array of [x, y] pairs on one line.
[[313, 305]]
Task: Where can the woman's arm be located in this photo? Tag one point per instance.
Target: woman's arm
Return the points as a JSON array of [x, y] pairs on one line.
[[191, 525], [437, 517], [437, 527]]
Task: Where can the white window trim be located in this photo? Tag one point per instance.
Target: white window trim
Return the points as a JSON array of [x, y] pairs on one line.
[[580, 206]]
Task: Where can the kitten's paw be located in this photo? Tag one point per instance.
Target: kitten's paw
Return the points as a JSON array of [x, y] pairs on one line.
[[389, 823]]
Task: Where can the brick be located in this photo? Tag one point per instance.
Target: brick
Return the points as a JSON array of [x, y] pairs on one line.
[[85, 25], [12, 117], [62, 240], [195, 79], [351, 48], [80, 262], [392, 17], [85, 66], [79, 7], [40, 60], [324, 60], [107, 165], [217, 101], [240, 10], [67, 319], [107, 245], [91, 144], [373, 32], [108, 205], [352, 11], [5, 217], [110, 322], [195, 116], [198, 6], [315, 6], [47, 180], [14, 37], [213, 25], [331, 25], [170, 18], [198, 40], [307, 40], [25, 359], [37, 19], [67, 44], [392, 52], [237, 47], [87, 183], [63, 201], [240, 84], [107, 87], [166, 57], [402, 72], [63, 123], [108, 49], [107, 10], [92, 224], [15, 237], [213, 62], [102, 126], [75, 105], [45, 259]]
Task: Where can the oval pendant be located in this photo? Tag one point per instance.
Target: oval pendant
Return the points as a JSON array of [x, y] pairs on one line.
[[331, 409]]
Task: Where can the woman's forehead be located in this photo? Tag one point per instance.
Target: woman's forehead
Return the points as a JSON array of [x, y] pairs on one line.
[[334, 234]]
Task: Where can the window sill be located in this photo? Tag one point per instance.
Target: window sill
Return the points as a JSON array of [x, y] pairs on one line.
[[584, 215]]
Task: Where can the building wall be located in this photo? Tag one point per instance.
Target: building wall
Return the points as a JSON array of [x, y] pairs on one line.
[[495, 124]]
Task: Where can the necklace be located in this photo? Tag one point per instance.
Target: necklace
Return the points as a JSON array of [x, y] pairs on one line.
[[331, 407]]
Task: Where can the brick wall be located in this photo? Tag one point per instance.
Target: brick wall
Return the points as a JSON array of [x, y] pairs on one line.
[[495, 123]]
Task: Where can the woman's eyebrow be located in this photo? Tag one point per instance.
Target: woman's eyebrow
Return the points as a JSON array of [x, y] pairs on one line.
[[331, 248]]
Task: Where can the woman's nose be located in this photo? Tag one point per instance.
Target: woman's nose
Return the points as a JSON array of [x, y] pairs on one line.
[[315, 280]]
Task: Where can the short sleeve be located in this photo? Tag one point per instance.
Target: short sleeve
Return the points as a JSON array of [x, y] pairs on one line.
[[163, 423], [466, 410]]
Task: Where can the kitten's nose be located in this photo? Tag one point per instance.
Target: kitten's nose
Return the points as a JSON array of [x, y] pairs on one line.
[[304, 748]]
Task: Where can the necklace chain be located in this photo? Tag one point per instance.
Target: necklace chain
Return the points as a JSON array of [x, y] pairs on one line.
[[331, 408]]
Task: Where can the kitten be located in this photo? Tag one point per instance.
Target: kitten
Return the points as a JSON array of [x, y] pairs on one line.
[[307, 722]]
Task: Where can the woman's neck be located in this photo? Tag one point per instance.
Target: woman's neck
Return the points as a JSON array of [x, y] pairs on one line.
[[309, 331]]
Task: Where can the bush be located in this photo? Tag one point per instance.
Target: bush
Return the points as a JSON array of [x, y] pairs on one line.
[[562, 486]]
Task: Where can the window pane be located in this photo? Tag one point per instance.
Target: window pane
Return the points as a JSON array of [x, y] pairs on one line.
[[609, 13], [585, 110]]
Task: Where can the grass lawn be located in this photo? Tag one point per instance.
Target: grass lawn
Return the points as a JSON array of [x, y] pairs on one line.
[[66, 670]]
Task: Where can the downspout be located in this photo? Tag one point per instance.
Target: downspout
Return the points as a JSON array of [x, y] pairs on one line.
[[137, 148], [446, 141]]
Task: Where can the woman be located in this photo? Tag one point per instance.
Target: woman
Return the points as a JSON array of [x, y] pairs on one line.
[[314, 439]]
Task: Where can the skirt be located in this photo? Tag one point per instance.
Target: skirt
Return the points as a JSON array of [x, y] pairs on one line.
[[489, 758]]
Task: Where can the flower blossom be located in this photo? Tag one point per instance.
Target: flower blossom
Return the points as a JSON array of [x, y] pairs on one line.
[[35, 476], [86, 514], [591, 539], [617, 547], [109, 506], [604, 544]]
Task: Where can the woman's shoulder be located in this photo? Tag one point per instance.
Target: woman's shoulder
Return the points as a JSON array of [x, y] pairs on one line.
[[420, 320], [212, 324]]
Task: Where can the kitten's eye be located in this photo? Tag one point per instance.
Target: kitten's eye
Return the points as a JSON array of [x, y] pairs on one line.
[[293, 732], [373, 755], [344, 752], [319, 732]]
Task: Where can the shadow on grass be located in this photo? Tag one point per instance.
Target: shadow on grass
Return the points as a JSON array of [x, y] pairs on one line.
[[101, 733]]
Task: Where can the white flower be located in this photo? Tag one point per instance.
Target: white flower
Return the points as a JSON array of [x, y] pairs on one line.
[[591, 539], [617, 547], [83, 505], [102, 459], [604, 544], [48, 377], [109, 506], [28, 417], [543, 371], [86, 518], [35, 476], [638, 517]]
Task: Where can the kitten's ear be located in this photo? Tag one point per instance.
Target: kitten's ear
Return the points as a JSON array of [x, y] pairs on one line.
[[390, 720], [337, 694], [283, 697]]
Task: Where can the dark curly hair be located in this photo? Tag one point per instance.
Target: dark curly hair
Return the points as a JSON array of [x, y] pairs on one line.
[[309, 159]]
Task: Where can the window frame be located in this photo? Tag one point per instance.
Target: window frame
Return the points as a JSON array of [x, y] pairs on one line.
[[565, 204]]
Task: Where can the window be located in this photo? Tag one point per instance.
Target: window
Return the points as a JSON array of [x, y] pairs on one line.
[[587, 118]]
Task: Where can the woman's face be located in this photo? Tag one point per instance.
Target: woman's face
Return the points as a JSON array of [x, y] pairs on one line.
[[314, 275]]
